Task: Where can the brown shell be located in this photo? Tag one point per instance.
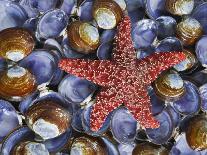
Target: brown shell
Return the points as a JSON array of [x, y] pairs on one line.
[[51, 112], [196, 134], [148, 148], [89, 145], [76, 41], [16, 88], [165, 91], [188, 31], [16, 39], [110, 5], [179, 7]]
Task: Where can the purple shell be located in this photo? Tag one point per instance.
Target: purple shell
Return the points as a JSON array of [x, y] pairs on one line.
[[189, 103], [164, 132], [201, 50], [136, 15], [203, 95], [85, 10], [104, 51], [43, 5], [200, 14], [67, 6], [18, 135], [12, 15], [77, 121], [41, 64], [200, 77], [52, 24], [68, 52], [144, 52], [181, 147], [126, 149], [155, 8], [56, 144], [134, 4], [176, 117], [75, 89], [110, 147], [107, 35], [123, 126], [31, 24], [166, 26], [8, 118], [169, 44], [31, 12], [86, 123], [144, 33]]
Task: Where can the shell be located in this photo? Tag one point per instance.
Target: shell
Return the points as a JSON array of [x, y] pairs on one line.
[[80, 38], [107, 9], [31, 12], [16, 83], [189, 31], [48, 124], [77, 121], [203, 95], [144, 32], [104, 51], [189, 64], [189, 103], [51, 24], [123, 126], [107, 35], [110, 146], [166, 26], [9, 118], [148, 148], [87, 145], [155, 9], [16, 43], [68, 6], [176, 117], [12, 15], [169, 86], [31, 24], [162, 134], [200, 50], [144, 52], [196, 134], [180, 7], [85, 10], [126, 149]]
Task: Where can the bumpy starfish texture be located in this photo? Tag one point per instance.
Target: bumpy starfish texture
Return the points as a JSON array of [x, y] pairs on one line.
[[124, 79]]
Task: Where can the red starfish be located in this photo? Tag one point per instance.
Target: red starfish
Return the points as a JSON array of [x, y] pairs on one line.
[[124, 79]]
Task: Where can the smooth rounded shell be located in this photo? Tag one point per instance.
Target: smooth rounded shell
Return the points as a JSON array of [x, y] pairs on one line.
[[15, 43], [48, 123], [107, 13], [80, 38], [196, 134], [169, 86], [87, 146], [148, 148], [16, 83], [201, 50]]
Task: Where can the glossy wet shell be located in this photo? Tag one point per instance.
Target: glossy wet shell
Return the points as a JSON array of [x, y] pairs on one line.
[[51, 115], [103, 7], [196, 134], [79, 39], [16, 83], [15, 43], [148, 148], [88, 146]]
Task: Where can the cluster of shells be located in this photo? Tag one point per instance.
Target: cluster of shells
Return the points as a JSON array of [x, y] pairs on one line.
[[45, 111]]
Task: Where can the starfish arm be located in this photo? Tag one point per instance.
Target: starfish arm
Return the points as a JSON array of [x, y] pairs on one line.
[[124, 52], [98, 71], [106, 101], [141, 110], [151, 66]]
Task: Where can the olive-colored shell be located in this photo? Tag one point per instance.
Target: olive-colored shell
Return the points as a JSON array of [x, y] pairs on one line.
[[80, 38], [188, 31], [188, 64], [169, 86], [107, 13], [15, 43], [87, 145], [49, 114], [22, 148], [148, 148], [196, 134], [16, 83], [179, 7]]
